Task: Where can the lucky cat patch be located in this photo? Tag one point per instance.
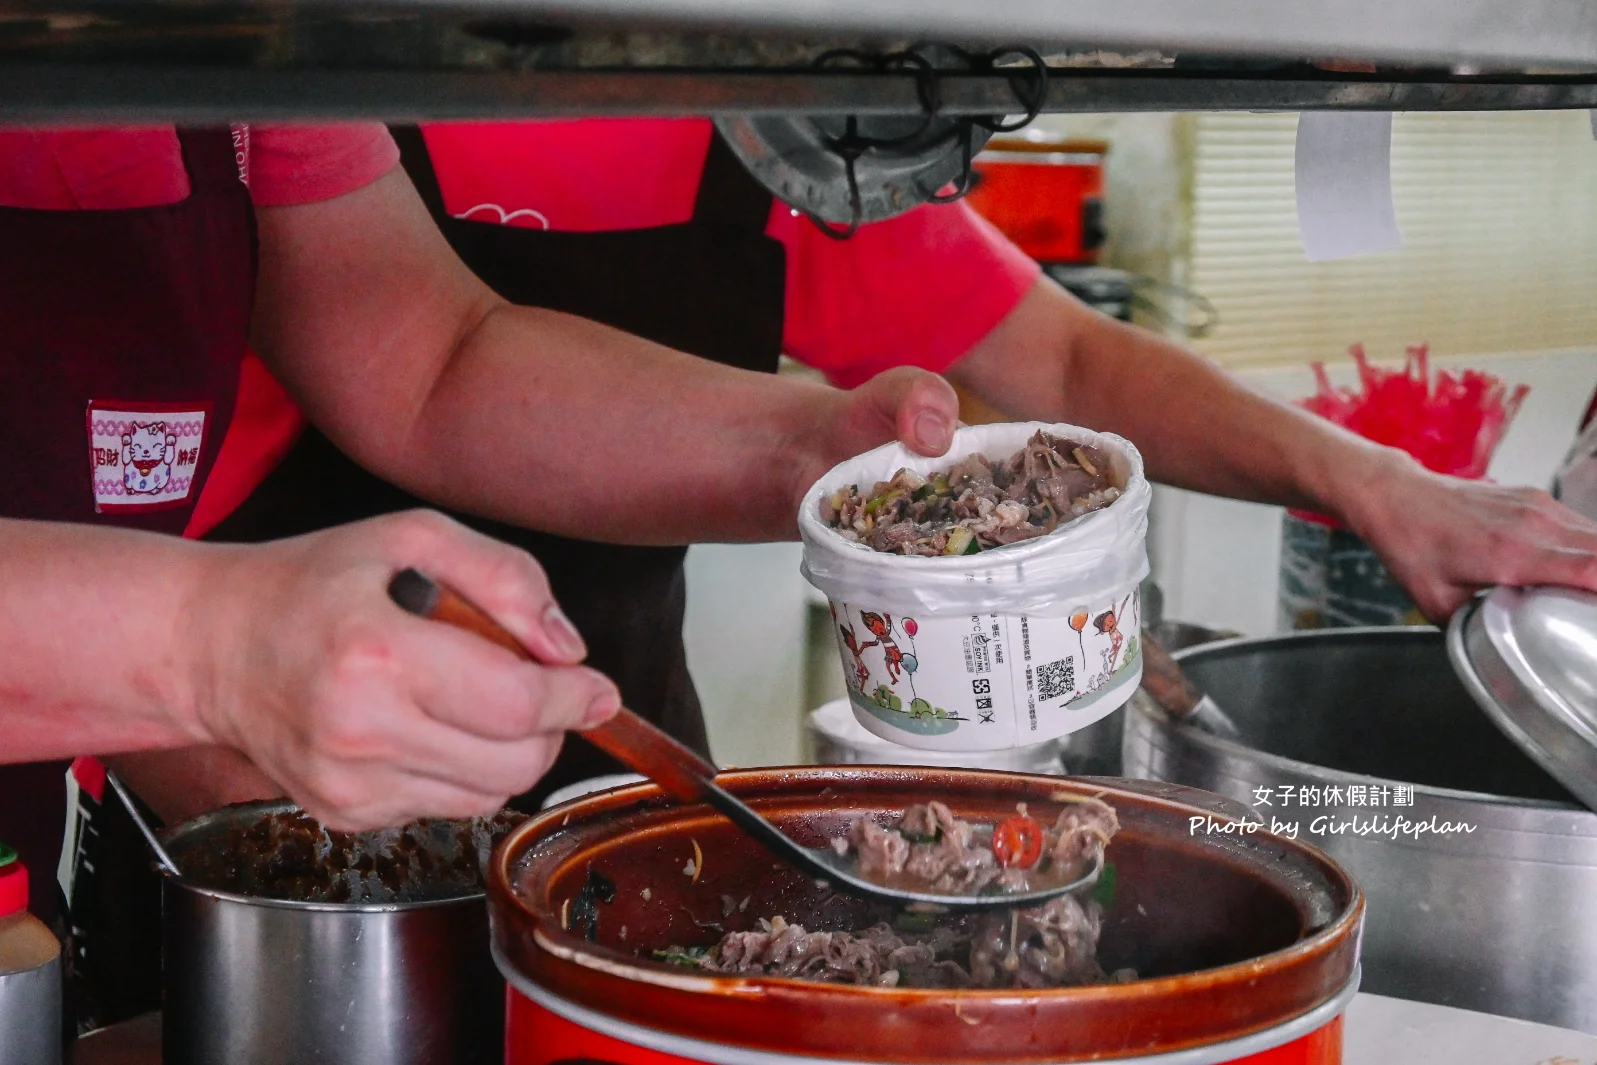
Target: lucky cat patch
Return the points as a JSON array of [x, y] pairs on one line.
[[149, 450], [143, 459]]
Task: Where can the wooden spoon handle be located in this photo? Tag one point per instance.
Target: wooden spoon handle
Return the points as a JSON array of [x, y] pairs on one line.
[[626, 737], [1166, 681]]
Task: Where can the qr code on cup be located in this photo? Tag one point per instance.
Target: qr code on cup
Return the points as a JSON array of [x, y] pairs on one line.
[[1055, 680]]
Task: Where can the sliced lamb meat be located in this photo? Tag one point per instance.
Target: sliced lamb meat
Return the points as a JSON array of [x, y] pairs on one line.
[[976, 504], [1050, 946], [1053, 945], [930, 849], [1081, 833], [883, 852]]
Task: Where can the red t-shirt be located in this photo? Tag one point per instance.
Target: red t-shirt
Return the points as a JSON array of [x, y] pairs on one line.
[[125, 167], [133, 166], [917, 290]]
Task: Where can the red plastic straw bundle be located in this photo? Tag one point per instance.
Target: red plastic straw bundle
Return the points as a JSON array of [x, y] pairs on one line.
[[1451, 425]]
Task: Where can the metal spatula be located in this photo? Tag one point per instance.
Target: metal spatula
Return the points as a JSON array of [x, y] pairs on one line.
[[685, 776]]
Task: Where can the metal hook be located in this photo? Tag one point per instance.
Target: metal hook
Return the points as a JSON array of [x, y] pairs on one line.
[[857, 207], [1034, 105], [928, 88]]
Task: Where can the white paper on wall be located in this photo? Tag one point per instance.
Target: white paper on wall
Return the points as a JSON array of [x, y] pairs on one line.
[[1344, 184]]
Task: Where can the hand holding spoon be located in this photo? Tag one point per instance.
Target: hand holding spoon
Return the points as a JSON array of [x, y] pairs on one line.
[[684, 775]]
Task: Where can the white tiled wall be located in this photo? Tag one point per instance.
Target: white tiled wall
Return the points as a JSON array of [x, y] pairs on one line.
[[745, 639]]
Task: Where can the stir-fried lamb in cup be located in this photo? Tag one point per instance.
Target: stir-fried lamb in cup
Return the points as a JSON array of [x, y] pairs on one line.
[[1053, 945], [976, 504]]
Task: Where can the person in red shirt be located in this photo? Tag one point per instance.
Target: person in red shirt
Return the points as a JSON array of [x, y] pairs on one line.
[[683, 248], [652, 226], [940, 289], [138, 269]]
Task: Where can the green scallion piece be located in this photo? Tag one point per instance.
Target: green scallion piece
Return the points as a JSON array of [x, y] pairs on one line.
[[1104, 890]]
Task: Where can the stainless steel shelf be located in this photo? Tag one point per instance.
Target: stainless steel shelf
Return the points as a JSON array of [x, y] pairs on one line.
[[42, 93], [100, 60], [1492, 32]]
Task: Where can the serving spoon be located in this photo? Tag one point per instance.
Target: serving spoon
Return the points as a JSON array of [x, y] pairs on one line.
[[682, 774], [144, 828], [1176, 694]]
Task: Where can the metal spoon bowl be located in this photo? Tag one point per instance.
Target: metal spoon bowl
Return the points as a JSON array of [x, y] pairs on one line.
[[685, 776], [841, 871]]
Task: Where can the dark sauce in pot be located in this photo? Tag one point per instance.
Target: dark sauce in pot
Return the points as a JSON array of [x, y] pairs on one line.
[[291, 856]]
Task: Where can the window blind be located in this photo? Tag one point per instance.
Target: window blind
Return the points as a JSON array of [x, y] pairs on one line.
[[1499, 219]]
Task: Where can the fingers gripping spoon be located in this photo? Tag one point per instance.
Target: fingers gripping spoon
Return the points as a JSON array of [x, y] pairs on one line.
[[685, 776]]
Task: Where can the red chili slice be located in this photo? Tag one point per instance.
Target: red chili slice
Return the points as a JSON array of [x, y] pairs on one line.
[[1017, 842]]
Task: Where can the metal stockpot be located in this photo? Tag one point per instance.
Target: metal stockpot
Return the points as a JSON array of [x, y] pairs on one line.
[[1501, 919], [253, 981]]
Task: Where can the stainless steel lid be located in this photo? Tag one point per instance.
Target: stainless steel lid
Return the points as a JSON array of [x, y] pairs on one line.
[[1529, 658]]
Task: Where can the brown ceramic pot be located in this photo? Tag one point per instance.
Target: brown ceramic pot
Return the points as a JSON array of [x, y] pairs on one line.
[[1247, 944]]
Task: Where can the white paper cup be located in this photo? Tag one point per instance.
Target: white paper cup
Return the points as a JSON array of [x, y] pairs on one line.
[[1006, 648]]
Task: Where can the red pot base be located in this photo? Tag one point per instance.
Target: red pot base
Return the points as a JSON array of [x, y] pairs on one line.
[[538, 1036]]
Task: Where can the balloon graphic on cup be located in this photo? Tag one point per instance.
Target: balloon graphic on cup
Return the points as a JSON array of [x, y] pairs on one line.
[[912, 628], [910, 664], [1078, 621]]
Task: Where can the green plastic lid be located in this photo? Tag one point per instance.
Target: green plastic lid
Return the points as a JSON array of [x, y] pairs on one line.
[[7, 856]]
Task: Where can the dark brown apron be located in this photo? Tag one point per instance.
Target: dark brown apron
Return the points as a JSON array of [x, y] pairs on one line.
[[117, 322], [712, 286]]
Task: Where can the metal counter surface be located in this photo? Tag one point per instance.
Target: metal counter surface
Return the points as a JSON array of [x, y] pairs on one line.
[[1392, 1031], [1380, 1031]]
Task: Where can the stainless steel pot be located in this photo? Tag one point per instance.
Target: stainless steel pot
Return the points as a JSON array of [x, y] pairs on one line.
[[257, 981], [1500, 918]]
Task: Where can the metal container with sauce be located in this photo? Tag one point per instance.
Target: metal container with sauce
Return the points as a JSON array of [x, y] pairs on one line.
[[265, 981], [1247, 944]]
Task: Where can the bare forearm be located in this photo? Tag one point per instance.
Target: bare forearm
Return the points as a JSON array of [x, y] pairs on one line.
[[92, 622], [562, 424], [423, 375], [293, 655], [1197, 426]]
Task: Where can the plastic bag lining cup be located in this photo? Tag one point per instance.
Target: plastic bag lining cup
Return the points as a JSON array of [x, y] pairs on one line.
[[1006, 648]]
